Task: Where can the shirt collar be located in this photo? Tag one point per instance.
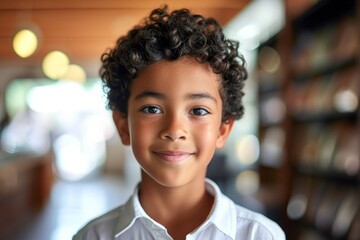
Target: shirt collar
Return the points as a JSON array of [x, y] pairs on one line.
[[127, 217], [132, 211], [222, 215]]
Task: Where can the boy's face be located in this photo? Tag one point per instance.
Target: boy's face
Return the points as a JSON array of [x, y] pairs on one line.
[[174, 120]]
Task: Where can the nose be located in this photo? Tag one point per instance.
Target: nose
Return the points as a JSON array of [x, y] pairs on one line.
[[174, 128]]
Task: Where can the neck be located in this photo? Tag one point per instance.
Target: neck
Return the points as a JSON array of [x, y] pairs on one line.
[[180, 209]]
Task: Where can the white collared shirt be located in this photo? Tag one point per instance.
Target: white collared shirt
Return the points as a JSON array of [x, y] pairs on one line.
[[226, 221]]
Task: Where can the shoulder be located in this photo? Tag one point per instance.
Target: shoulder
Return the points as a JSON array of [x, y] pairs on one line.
[[104, 226], [241, 223], [256, 225]]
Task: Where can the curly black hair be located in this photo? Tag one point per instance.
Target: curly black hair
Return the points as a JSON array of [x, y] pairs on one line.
[[169, 36]]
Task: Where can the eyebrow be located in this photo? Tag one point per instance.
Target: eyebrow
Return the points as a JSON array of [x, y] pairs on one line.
[[201, 96], [150, 94], [161, 96]]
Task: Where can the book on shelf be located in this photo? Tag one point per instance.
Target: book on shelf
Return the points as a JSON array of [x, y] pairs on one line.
[[325, 207], [346, 213], [301, 52], [346, 157], [317, 192], [318, 97], [314, 95], [299, 199], [272, 141], [318, 48], [345, 97], [346, 41], [311, 145], [307, 234], [328, 140], [354, 231], [326, 211], [328, 147]]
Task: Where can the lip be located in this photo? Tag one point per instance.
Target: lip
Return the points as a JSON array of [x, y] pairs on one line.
[[173, 156]]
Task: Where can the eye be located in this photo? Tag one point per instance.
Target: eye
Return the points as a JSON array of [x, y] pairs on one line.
[[151, 110], [199, 112]]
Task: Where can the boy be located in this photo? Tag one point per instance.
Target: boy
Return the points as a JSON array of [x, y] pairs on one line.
[[174, 85]]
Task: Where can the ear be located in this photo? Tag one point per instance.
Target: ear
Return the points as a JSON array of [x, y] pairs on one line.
[[224, 131], [122, 126]]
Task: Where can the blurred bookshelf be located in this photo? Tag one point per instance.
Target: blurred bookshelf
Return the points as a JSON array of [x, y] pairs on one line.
[[309, 88], [271, 130]]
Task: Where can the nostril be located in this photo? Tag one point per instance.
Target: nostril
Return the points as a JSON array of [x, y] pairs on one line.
[[173, 135], [174, 128]]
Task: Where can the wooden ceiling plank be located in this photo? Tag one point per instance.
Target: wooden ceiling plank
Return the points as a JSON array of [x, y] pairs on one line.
[[84, 29], [137, 4], [84, 23]]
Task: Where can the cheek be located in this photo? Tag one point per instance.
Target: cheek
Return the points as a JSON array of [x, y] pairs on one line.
[[206, 134], [139, 131], [142, 134], [139, 141]]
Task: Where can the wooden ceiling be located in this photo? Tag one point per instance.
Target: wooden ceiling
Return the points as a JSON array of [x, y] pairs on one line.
[[83, 29]]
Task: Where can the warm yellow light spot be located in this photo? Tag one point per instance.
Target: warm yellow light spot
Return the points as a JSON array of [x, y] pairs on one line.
[[248, 149], [346, 101], [55, 64], [25, 43], [247, 182], [75, 73], [269, 60]]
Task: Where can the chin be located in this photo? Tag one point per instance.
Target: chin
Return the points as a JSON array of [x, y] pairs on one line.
[[172, 182]]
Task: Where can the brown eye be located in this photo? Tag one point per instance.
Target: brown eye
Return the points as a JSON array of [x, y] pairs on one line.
[[151, 110], [199, 112]]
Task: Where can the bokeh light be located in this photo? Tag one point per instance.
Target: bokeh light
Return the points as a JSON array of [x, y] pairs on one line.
[[269, 60], [55, 64], [297, 206], [273, 110], [272, 146], [247, 182], [74, 73], [248, 149], [345, 215], [25, 43], [346, 101]]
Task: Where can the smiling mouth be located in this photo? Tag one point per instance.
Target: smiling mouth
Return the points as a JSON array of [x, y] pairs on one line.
[[173, 157]]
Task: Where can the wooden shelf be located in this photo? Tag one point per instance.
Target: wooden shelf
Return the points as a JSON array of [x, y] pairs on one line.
[[321, 136], [328, 174], [306, 117], [326, 69]]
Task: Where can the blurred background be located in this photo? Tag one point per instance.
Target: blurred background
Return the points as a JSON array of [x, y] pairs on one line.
[[293, 157]]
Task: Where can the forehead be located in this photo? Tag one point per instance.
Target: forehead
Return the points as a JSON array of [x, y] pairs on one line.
[[185, 72]]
